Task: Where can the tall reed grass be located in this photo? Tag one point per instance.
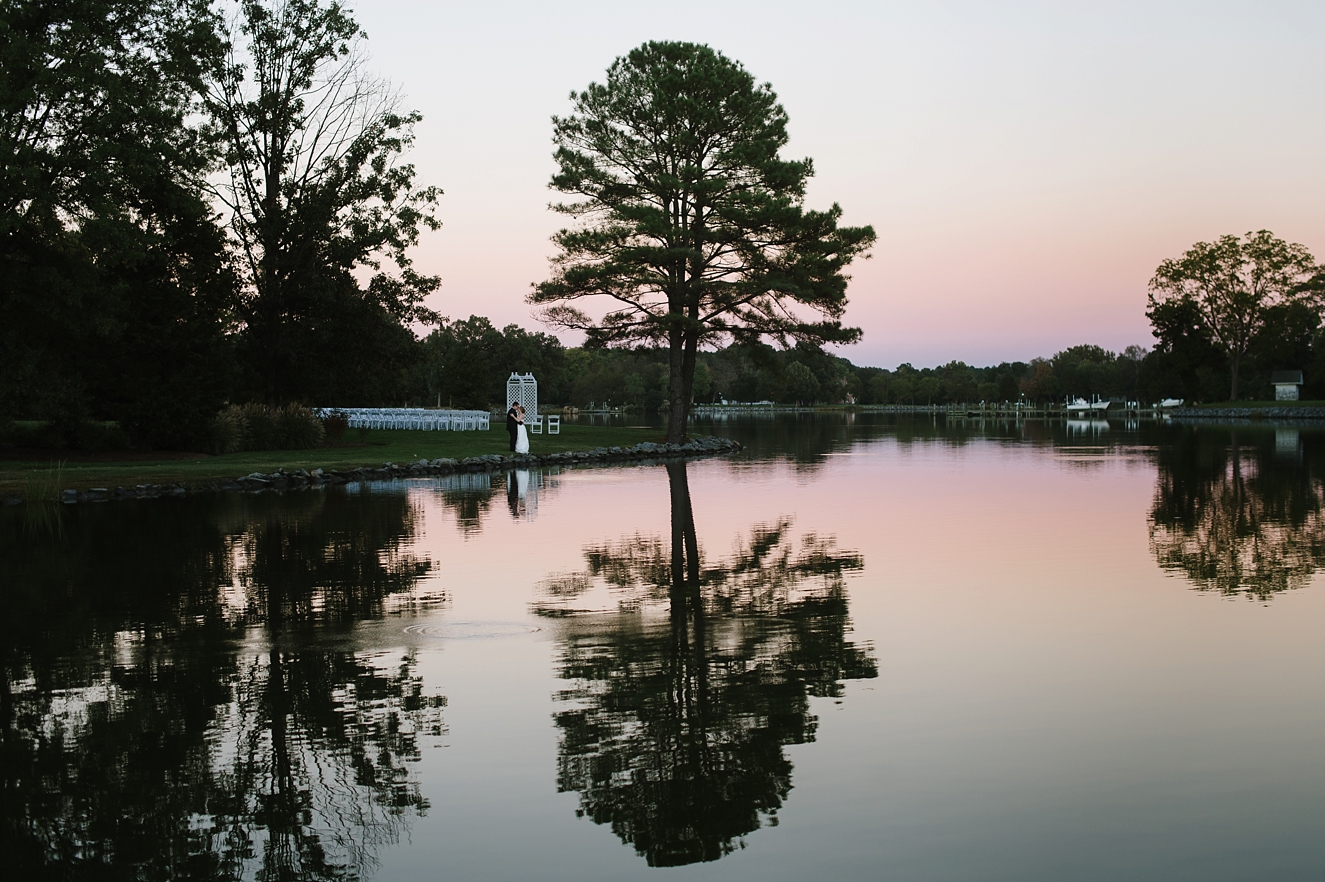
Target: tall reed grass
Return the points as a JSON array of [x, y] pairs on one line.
[[245, 427], [41, 515]]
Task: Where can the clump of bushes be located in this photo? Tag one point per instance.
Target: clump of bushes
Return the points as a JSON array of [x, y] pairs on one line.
[[241, 427], [298, 428], [260, 427], [229, 430], [335, 424]]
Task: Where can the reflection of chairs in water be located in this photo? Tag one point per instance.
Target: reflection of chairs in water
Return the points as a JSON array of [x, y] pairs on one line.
[[472, 482]]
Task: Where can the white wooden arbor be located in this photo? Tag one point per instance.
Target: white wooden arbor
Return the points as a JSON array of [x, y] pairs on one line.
[[523, 389]]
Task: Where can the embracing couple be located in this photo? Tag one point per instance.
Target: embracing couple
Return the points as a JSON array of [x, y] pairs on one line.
[[515, 428]]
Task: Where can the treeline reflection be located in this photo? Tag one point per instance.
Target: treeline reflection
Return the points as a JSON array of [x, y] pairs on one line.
[[183, 698], [694, 676], [806, 440], [1240, 512]]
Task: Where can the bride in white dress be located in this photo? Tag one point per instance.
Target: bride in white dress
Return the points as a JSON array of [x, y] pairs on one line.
[[522, 434]]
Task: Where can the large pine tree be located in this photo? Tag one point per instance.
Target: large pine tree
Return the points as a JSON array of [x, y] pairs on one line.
[[689, 221]]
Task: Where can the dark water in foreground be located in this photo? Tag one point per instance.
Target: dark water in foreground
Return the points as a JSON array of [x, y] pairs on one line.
[[865, 649]]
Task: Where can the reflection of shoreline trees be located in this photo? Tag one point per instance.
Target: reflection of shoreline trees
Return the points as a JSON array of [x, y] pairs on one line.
[[313, 779], [310, 559], [689, 688], [806, 440], [1237, 518], [182, 697]]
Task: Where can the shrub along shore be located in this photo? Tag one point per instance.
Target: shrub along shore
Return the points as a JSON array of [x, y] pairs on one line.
[[381, 455]]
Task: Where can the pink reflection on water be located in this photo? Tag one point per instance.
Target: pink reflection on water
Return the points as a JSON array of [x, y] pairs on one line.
[[1041, 679]]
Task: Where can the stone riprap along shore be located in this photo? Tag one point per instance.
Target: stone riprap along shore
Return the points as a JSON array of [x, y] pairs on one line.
[[423, 468], [1248, 413]]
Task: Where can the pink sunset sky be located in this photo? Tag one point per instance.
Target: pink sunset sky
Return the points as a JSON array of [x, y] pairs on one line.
[[1026, 165]]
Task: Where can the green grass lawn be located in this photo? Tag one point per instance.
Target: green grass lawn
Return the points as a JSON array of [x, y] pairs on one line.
[[380, 446]]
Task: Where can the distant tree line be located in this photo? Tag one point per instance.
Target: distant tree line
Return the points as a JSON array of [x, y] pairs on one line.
[[466, 363]]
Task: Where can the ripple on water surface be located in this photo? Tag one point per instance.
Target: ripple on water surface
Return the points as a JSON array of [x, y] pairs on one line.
[[471, 630]]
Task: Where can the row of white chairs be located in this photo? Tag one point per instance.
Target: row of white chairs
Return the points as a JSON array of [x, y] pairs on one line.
[[413, 418]]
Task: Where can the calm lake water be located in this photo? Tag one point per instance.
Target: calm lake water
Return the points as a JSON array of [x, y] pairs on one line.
[[867, 648]]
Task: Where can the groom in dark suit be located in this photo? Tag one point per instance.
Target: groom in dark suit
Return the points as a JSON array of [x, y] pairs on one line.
[[512, 426]]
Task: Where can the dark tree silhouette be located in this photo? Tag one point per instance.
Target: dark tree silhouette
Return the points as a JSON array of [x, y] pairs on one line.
[[316, 194], [1229, 287], [114, 288], [688, 220]]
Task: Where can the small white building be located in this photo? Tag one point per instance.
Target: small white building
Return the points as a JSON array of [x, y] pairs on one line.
[[1287, 385]]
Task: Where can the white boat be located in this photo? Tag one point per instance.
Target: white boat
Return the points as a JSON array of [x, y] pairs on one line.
[[1080, 407]]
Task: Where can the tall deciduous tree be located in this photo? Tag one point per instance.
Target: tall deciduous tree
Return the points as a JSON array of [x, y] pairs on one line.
[[93, 100], [112, 282], [688, 218], [316, 186], [1230, 285]]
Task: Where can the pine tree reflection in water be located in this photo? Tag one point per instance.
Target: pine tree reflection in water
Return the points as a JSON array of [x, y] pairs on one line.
[[183, 697], [1238, 516], [689, 688]]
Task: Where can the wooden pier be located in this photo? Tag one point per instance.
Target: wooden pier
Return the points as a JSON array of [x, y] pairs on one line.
[[982, 410]]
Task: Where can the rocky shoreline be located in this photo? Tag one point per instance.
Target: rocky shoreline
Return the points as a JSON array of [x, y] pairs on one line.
[[302, 478], [1248, 413]]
